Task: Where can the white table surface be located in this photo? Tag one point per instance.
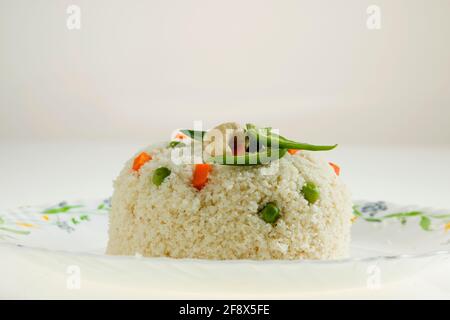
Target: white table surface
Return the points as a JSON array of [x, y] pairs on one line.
[[48, 172]]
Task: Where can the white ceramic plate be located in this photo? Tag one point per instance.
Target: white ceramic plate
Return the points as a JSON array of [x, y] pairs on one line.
[[389, 242]]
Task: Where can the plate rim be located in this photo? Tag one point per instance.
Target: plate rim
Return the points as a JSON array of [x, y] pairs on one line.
[[389, 258]]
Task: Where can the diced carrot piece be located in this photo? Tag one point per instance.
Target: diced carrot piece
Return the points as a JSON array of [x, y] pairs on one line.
[[201, 173], [292, 151], [140, 160], [335, 167], [180, 136]]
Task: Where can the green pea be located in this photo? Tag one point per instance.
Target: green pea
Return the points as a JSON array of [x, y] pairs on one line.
[[310, 192], [174, 144], [270, 213], [159, 175]]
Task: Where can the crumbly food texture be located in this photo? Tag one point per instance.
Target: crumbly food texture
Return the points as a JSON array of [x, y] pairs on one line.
[[221, 221]]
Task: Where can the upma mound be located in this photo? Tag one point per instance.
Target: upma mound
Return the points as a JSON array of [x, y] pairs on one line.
[[301, 210]]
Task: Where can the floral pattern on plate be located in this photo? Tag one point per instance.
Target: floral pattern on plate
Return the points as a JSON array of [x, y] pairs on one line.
[[379, 228]]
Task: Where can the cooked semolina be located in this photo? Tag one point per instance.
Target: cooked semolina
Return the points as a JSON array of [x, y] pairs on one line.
[[224, 219]]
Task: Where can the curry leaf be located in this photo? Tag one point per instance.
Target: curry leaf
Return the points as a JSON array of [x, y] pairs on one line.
[[197, 135]]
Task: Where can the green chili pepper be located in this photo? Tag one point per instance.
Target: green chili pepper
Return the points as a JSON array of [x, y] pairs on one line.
[[159, 175], [260, 144], [248, 159], [266, 137], [270, 213], [193, 134], [310, 192], [288, 144]]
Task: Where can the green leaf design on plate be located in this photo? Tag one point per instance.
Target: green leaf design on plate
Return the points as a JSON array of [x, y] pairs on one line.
[[2, 221], [440, 216], [425, 223], [61, 209], [403, 214], [101, 206], [373, 219], [402, 217], [358, 213], [15, 231]]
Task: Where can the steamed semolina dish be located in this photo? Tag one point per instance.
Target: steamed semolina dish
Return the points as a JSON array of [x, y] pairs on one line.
[[233, 203]]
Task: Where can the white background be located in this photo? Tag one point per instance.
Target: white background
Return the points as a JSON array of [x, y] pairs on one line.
[[74, 105], [139, 69]]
